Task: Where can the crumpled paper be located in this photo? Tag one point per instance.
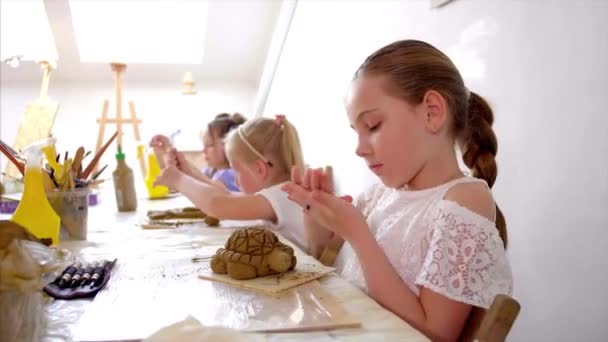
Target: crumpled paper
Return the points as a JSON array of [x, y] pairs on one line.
[[23, 260], [190, 329]]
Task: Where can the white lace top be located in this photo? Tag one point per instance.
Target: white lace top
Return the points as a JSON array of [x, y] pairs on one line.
[[434, 243]]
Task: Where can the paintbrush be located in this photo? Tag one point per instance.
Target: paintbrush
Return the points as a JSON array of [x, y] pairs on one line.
[[78, 162], [96, 174], [87, 171], [16, 154], [19, 165]]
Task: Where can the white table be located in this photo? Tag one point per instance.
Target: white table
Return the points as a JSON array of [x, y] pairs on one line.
[[116, 234]]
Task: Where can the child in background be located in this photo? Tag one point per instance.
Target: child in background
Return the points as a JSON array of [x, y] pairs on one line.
[[218, 170], [429, 242], [262, 153]]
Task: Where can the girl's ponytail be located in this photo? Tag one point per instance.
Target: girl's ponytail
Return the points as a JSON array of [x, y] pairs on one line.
[[479, 146]]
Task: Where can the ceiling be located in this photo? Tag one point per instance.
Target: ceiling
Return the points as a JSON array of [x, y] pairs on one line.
[[239, 33]]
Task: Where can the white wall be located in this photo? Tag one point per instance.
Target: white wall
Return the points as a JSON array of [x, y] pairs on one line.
[[543, 65], [161, 106]]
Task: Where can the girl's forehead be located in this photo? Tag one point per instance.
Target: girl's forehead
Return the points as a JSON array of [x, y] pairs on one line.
[[208, 136]]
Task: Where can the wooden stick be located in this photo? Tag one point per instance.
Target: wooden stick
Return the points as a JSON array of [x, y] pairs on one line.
[[20, 166], [102, 124], [118, 68], [78, 161], [10, 149], [129, 121], [93, 163], [134, 121], [46, 76], [142, 159]]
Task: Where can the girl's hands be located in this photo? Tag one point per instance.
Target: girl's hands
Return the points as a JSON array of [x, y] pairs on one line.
[[169, 177], [182, 164], [160, 142], [161, 145], [313, 192]]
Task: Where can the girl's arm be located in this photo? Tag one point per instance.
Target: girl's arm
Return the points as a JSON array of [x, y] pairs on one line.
[[318, 236], [437, 316], [217, 202], [185, 166]]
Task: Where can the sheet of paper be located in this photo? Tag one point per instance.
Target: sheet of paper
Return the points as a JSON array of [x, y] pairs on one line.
[[307, 269], [160, 292]]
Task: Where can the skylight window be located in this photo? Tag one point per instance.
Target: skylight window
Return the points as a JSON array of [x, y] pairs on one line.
[[140, 31], [25, 31]]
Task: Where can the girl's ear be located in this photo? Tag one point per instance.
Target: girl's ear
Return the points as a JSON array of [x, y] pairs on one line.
[[436, 108], [262, 169]]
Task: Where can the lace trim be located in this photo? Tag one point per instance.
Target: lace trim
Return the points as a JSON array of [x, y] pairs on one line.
[[465, 260], [464, 212]]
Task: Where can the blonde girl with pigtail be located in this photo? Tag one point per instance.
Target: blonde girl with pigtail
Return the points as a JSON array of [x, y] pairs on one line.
[[262, 153]]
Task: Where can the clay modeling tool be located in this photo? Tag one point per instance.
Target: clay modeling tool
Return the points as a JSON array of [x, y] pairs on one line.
[[86, 276], [66, 277], [77, 276]]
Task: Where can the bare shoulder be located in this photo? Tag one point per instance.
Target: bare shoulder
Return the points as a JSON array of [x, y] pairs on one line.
[[476, 197]]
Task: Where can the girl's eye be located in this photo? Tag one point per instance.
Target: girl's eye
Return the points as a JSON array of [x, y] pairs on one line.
[[374, 127]]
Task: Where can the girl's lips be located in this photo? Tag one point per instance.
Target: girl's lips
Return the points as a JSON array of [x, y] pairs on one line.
[[375, 167]]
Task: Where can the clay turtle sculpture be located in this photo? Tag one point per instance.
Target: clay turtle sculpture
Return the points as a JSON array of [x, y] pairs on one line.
[[253, 252]]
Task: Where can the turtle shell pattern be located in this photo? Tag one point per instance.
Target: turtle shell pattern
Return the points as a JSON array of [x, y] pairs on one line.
[[250, 246]]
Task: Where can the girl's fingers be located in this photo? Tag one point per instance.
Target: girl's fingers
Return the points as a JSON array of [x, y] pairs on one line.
[[296, 194], [160, 141], [296, 175], [307, 178], [347, 198], [181, 159], [315, 179], [288, 187], [326, 183], [170, 158]]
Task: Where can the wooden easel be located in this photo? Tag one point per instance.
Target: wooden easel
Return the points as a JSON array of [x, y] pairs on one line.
[[118, 69]]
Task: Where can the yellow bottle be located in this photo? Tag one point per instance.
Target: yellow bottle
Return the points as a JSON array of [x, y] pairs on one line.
[[158, 191], [34, 211]]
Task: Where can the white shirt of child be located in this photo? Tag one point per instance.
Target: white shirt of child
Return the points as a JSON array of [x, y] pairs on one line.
[[290, 221], [434, 243]]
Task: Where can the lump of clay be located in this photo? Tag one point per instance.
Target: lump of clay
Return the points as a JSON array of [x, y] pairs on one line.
[[211, 221], [179, 213], [253, 252]]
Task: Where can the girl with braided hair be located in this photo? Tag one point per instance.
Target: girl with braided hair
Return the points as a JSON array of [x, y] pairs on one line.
[[428, 242]]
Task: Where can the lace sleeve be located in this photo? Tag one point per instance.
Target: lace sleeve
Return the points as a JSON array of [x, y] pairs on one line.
[[465, 260], [366, 200]]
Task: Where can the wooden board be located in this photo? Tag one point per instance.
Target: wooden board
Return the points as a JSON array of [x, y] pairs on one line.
[[307, 269], [36, 124]]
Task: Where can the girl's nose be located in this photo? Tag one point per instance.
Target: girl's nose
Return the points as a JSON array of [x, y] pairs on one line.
[[363, 148]]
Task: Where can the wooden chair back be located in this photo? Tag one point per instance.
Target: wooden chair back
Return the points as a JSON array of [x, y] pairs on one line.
[[494, 324]]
